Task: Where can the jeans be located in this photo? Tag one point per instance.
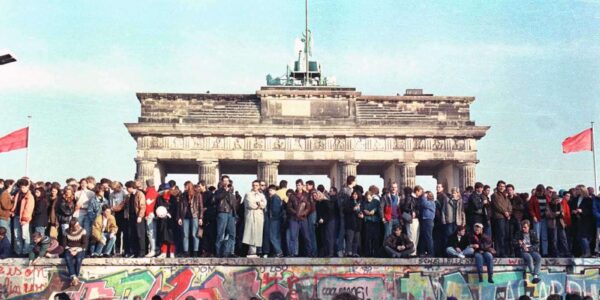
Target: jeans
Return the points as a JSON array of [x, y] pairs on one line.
[[312, 233], [225, 241], [562, 247], [193, 223], [352, 241], [302, 227], [84, 221], [541, 228], [501, 230], [74, 262], [6, 224], [22, 236], [108, 246], [394, 253], [388, 226], [275, 235], [533, 260], [489, 261], [584, 243], [341, 233], [151, 234], [451, 252], [427, 237], [412, 230]]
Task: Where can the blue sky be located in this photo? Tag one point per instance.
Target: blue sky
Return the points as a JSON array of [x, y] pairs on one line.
[[534, 68]]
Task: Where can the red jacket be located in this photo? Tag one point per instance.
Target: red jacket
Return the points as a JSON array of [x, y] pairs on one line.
[[534, 206], [151, 196], [566, 212]]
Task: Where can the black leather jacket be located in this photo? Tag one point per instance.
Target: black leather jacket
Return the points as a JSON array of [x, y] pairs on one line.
[[226, 201]]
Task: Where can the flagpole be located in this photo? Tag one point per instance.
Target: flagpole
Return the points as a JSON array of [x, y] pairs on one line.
[[27, 149], [594, 157]]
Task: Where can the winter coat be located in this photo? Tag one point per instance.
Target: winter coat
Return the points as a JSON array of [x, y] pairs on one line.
[[64, 211], [533, 240], [453, 211], [27, 206], [455, 243], [7, 204], [98, 233], [40, 213], [500, 205], [394, 241], [139, 205], [165, 228], [255, 204], [298, 206]]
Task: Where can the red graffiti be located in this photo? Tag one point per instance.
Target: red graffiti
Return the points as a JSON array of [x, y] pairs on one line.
[[180, 283]]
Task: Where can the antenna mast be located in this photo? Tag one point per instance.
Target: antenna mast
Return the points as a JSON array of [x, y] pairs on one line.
[[306, 41]]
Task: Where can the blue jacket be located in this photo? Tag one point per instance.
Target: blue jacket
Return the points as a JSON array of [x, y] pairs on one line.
[[427, 209], [596, 209], [275, 205], [4, 248]]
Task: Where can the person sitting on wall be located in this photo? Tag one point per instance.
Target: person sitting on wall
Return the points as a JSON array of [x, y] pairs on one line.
[[104, 232], [398, 245], [76, 241], [482, 245], [458, 244], [5, 247], [44, 246], [527, 245]]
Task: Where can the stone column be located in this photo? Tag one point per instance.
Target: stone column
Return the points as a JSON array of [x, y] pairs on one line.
[[207, 171], [407, 173], [467, 174], [268, 171], [145, 169], [347, 168]]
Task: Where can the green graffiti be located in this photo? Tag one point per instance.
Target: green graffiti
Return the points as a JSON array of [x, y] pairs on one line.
[[126, 284], [417, 286]]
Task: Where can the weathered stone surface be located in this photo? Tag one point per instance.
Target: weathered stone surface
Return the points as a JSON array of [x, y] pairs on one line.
[[300, 125]]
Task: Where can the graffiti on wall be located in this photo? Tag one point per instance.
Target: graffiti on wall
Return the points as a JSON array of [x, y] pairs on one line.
[[294, 282]]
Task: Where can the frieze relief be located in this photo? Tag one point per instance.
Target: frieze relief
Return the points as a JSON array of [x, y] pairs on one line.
[[253, 143]]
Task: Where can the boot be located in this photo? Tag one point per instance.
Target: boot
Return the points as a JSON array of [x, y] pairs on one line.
[[162, 255], [490, 278], [151, 254]]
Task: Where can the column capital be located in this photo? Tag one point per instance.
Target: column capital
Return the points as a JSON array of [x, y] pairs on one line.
[[408, 163], [269, 162], [349, 162], [464, 163], [206, 162]]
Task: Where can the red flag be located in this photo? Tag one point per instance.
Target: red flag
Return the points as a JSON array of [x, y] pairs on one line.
[[15, 140], [579, 142]]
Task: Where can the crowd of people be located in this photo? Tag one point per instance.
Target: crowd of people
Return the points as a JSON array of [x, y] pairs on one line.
[[87, 218]]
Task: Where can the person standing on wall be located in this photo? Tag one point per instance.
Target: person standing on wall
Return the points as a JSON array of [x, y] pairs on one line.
[[501, 210], [226, 218], [135, 212]]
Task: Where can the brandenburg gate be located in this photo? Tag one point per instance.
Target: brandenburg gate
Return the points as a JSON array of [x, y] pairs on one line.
[[304, 123], [327, 130]]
